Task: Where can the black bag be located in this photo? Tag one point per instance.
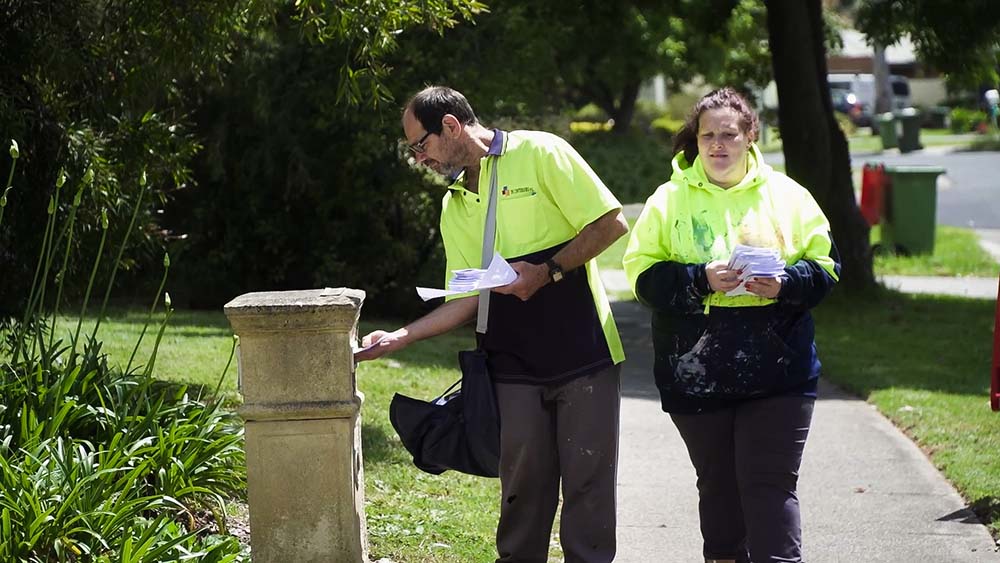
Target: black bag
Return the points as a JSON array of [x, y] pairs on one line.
[[459, 430]]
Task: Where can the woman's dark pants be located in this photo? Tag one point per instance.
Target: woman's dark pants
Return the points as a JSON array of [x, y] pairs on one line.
[[747, 459]]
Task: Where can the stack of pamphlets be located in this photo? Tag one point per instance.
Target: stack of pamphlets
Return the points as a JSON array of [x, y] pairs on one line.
[[473, 279], [755, 262]]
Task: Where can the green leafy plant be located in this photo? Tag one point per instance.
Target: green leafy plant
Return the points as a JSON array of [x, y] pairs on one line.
[[964, 120], [101, 463], [631, 165]]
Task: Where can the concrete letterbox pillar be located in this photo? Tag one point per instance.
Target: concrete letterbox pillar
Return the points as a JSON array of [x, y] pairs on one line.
[[303, 424]]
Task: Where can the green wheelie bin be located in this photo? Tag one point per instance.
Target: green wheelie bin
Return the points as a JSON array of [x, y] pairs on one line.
[[909, 140], [909, 215], [887, 130]]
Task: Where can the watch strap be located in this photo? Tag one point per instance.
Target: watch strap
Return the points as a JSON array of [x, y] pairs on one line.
[[555, 270]]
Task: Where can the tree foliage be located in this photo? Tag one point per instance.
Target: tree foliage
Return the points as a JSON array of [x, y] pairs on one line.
[[543, 56], [742, 56], [295, 189], [642, 39], [604, 51], [265, 129], [960, 37], [107, 89], [97, 89], [369, 32]]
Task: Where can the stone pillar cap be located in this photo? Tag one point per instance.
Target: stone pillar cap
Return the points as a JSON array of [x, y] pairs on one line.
[[294, 301]]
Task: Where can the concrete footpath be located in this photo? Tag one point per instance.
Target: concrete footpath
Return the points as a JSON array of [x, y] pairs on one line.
[[868, 493]]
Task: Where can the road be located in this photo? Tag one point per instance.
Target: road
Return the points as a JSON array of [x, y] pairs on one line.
[[968, 193]]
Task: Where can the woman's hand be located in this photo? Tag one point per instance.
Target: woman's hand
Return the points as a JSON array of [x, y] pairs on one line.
[[764, 287], [720, 277]]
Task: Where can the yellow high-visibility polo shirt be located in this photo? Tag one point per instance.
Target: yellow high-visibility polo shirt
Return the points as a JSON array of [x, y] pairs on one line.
[[546, 195]]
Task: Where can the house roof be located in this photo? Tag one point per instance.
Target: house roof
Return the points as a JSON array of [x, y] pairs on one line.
[[856, 46]]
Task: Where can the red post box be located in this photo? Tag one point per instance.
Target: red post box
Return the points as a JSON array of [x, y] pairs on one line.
[[873, 188]]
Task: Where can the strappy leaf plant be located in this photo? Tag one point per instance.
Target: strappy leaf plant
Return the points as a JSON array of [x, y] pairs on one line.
[[100, 463]]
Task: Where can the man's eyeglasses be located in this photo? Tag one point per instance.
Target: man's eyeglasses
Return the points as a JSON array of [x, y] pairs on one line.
[[418, 147]]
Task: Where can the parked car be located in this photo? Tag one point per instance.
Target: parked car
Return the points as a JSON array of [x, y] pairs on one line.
[[854, 95], [846, 102]]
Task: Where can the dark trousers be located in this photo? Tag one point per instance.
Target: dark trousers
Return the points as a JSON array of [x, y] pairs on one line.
[[548, 433], [747, 459]]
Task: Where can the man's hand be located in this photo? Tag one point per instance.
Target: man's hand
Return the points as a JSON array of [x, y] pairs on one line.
[[764, 287], [720, 277], [379, 343], [446, 317], [530, 278]]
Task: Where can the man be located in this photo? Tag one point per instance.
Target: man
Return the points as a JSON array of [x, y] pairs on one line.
[[552, 344]]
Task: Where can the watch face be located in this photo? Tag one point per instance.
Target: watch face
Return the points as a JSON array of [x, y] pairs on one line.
[[555, 271]]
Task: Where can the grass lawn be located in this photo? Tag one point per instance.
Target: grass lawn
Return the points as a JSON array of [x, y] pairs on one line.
[[194, 348], [956, 253], [412, 516], [989, 142], [862, 141], [611, 259], [924, 362]]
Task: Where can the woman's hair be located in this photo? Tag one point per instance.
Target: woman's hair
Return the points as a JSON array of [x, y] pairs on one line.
[[431, 104], [686, 139]]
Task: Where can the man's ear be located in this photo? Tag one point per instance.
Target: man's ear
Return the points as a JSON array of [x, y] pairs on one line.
[[451, 125]]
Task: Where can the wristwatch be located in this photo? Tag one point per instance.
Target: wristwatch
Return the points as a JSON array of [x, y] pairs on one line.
[[555, 270]]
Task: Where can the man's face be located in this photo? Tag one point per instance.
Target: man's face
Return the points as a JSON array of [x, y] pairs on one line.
[[436, 151]]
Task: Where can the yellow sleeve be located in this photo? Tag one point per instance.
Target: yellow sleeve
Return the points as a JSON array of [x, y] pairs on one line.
[[815, 229], [573, 185], [649, 242], [456, 257]]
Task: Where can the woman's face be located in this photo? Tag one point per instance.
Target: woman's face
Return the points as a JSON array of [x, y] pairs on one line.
[[722, 146]]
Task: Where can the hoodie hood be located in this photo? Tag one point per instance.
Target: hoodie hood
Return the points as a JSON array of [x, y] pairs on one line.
[[694, 174]]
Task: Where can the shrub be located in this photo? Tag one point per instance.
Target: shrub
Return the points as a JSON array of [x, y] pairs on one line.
[[665, 127], [631, 165], [646, 111], [104, 90], [98, 463], [845, 123], [295, 191], [588, 127], [965, 120], [592, 113]]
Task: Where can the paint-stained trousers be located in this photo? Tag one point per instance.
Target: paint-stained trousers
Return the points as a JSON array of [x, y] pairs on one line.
[[747, 459], [566, 432]]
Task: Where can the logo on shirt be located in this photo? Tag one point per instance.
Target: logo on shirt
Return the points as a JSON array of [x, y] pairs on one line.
[[508, 192]]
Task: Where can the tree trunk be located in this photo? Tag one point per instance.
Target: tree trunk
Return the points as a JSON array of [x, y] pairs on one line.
[[626, 107], [883, 91], [619, 106], [816, 153]]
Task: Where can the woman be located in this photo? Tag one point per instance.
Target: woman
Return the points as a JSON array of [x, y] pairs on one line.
[[736, 362]]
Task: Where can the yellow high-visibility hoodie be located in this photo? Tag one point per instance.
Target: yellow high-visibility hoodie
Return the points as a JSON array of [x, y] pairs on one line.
[[713, 349]]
